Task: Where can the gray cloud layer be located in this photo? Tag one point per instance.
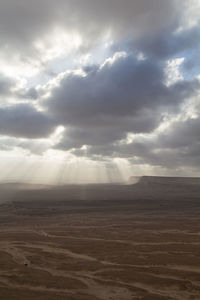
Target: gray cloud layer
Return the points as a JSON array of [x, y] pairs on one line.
[[6, 84], [178, 146], [24, 120], [22, 21], [125, 95]]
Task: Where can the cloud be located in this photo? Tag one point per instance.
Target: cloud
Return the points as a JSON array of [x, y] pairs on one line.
[[112, 90], [178, 145], [27, 93], [124, 95], [168, 43], [24, 24], [112, 74], [23, 120], [181, 134], [15, 88], [6, 84]]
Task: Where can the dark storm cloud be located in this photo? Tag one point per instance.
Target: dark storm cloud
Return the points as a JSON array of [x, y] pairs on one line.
[[166, 44], [6, 84], [32, 145], [119, 89], [181, 134], [76, 137], [22, 22], [24, 120], [178, 145], [10, 87], [29, 94], [125, 95]]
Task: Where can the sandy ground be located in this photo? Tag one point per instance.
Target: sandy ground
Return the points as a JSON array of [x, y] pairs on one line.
[[117, 242]]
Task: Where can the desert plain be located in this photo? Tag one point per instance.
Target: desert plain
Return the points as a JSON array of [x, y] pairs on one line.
[[101, 241]]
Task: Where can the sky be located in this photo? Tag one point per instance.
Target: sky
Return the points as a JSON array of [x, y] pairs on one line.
[[98, 91]]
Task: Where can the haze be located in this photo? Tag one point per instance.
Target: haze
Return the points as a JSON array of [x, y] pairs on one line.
[[98, 91]]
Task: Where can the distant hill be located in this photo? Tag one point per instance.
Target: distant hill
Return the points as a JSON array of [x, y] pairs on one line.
[[162, 180], [22, 186], [152, 188]]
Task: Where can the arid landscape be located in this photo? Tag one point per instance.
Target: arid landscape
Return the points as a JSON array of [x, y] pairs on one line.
[[109, 241]]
